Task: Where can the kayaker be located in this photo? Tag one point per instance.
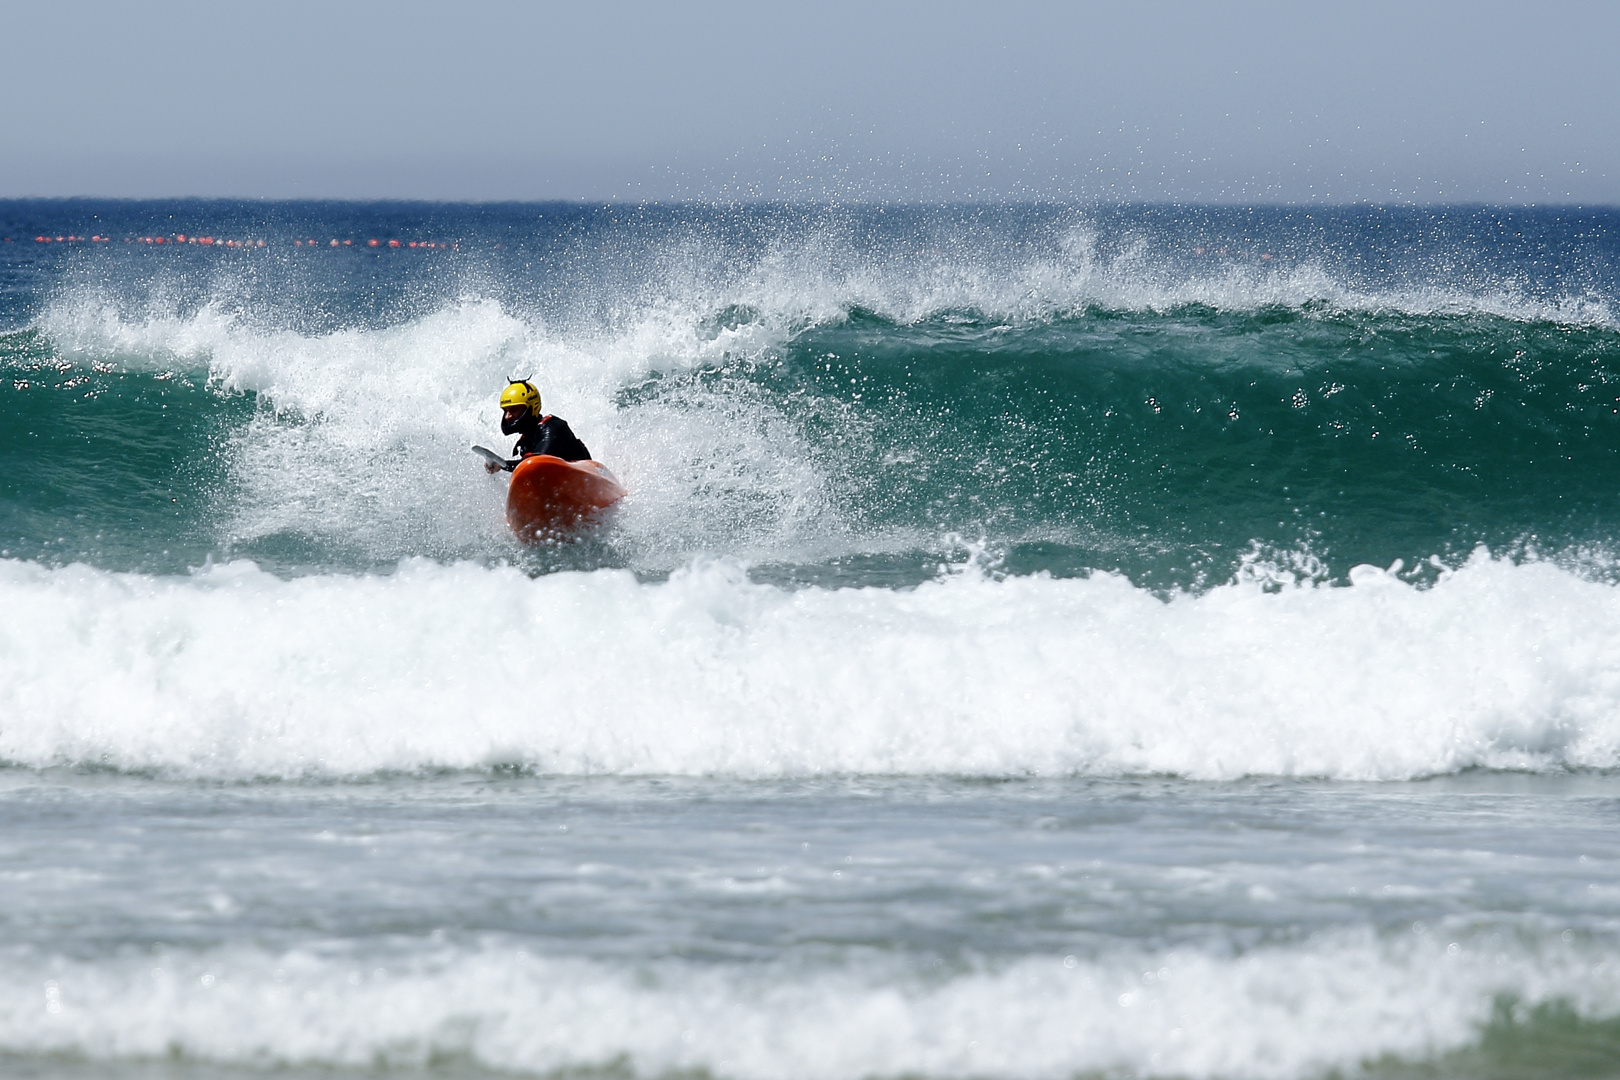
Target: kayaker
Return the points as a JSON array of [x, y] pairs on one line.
[[539, 434]]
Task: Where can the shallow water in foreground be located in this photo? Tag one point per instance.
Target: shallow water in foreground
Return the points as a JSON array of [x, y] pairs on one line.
[[478, 924]]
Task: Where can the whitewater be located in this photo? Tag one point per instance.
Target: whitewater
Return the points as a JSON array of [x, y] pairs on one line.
[[1039, 642], [233, 673]]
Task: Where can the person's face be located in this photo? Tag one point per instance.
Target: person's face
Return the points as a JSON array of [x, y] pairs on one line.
[[512, 413]]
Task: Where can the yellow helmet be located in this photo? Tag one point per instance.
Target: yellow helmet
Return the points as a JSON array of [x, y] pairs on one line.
[[521, 392]]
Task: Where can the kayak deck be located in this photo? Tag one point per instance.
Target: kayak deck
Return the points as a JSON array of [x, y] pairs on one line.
[[550, 495]]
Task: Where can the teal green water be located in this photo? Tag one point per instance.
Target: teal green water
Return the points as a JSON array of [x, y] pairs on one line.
[[1161, 444], [112, 467]]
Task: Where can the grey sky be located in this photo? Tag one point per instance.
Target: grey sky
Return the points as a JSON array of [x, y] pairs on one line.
[[1503, 102]]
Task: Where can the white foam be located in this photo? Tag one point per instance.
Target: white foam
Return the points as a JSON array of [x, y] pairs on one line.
[[234, 672], [1274, 1012]]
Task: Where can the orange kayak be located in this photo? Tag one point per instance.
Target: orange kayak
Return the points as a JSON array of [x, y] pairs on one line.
[[549, 495]]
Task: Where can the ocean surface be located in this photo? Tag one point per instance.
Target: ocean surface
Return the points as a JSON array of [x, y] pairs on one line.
[[1040, 642]]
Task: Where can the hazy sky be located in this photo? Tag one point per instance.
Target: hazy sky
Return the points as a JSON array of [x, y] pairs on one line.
[[1244, 101]]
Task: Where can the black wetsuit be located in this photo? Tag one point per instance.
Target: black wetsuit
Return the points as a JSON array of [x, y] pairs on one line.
[[553, 436]]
